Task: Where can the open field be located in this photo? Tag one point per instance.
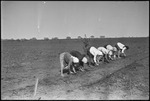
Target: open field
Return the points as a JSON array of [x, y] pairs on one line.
[[120, 79]]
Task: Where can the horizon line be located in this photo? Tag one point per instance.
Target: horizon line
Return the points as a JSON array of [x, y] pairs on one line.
[[56, 38]]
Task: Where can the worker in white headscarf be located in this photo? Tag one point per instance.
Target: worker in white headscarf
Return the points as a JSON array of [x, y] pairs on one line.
[[121, 49], [107, 53], [67, 61], [94, 54]]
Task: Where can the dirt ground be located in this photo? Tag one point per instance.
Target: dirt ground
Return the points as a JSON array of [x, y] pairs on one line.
[[23, 62]]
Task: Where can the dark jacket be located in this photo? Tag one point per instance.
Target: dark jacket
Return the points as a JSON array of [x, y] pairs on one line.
[[78, 55], [105, 45]]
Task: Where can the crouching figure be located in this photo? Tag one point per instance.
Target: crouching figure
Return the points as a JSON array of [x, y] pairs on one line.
[[121, 49], [67, 61], [82, 59], [107, 53], [112, 51], [94, 54]]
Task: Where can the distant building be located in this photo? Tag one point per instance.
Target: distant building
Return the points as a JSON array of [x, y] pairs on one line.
[[46, 38], [79, 37], [55, 38], [11, 39], [102, 36], [24, 39], [33, 38], [68, 37], [92, 36], [18, 40]]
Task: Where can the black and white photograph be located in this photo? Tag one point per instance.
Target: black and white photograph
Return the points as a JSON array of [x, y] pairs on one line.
[[74, 50]]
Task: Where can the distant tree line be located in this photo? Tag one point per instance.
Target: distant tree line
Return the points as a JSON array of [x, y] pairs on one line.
[[46, 38], [55, 38]]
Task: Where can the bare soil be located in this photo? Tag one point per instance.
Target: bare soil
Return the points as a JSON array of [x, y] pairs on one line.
[[23, 62]]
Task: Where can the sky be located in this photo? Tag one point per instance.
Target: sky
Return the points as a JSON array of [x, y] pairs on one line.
[[28, 19]]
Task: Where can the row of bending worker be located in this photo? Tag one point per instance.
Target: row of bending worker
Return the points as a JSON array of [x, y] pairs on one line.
[[74, 60]]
